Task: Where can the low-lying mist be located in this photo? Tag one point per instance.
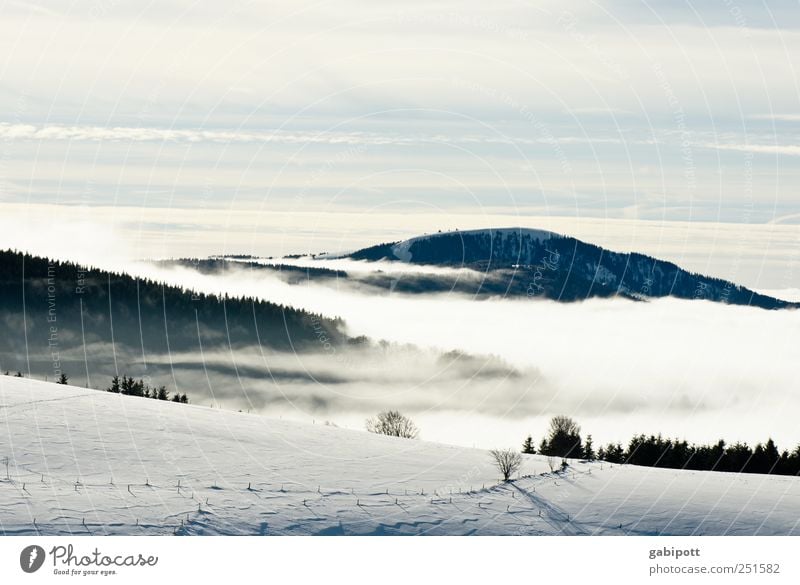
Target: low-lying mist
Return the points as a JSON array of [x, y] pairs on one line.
[[692, 369]]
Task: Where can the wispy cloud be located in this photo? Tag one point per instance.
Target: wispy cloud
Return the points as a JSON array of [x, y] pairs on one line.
[[364, 267], [141, 134], [153, 134], [780, 149], [35, 7], [778, 117]]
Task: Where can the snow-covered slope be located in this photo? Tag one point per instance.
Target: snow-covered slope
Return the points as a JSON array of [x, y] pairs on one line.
[[88, 462]]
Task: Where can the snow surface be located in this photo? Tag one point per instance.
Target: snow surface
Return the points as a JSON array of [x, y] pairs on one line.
[[179, 469]]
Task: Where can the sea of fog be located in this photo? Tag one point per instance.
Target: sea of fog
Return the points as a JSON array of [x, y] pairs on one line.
[[688, 369]]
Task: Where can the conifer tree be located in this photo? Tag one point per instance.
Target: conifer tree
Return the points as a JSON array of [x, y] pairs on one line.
[[588, 449], [527, 446]]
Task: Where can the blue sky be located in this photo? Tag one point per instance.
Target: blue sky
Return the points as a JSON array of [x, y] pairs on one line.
[[328, 124]]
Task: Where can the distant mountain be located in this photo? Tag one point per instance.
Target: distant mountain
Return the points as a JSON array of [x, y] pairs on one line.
[[538, 263]]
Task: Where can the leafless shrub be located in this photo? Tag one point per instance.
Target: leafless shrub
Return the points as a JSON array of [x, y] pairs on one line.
[[393, 424], [507, 461]]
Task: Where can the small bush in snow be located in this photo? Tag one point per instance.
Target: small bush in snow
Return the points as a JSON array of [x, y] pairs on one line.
[[393, 424], [507, 461]]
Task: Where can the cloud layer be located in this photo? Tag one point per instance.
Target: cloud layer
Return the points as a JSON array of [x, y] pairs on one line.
[[691, 368]]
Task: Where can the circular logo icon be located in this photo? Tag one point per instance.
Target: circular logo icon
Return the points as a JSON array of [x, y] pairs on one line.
[[31, 558]]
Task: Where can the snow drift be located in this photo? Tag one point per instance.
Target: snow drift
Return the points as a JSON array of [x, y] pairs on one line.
[[87, 462]]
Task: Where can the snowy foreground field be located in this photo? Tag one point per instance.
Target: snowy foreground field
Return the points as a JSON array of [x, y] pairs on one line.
[[87, 462]]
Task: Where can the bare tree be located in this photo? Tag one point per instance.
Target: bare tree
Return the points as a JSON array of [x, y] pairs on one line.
[[507, 461], [393, 424], [551, 463]]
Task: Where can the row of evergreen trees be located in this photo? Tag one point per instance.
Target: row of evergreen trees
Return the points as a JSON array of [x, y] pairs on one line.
[[62, 379], [564, 440], [656, 451], [132, 387]]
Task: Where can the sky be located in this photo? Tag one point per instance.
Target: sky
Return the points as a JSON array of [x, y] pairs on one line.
[[337, 124]]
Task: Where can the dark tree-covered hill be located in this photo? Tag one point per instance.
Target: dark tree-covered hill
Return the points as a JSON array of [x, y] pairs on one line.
[[51, 310]]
